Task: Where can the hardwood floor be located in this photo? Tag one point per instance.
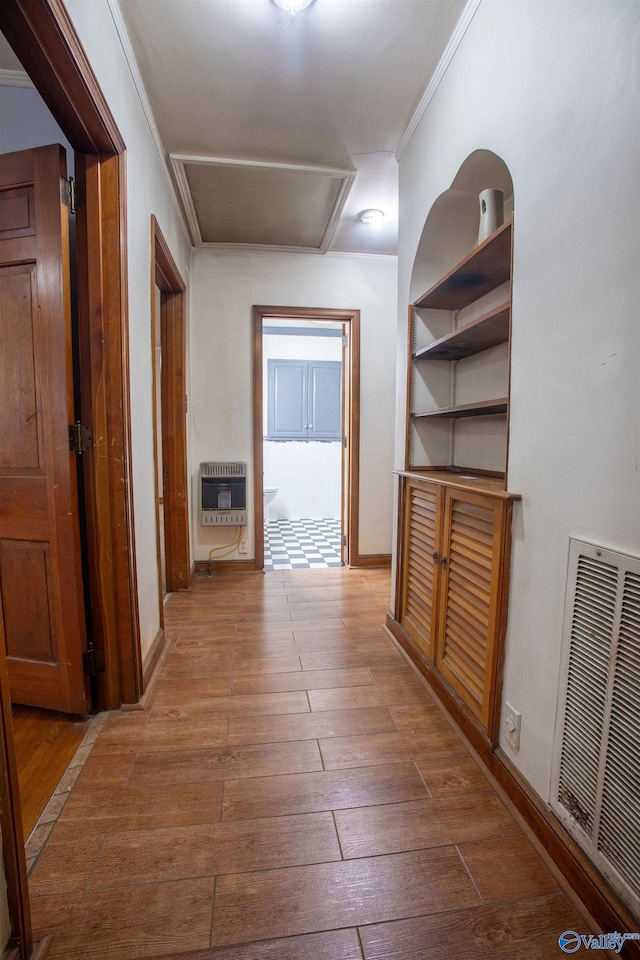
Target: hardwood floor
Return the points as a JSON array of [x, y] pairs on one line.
[[45, 743], [291, 791]]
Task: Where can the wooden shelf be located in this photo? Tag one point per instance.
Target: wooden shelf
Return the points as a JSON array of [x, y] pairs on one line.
[[486, 267], [484, 408], [486, 331]]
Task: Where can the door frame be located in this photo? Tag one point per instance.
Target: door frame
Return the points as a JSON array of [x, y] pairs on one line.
[[175, 490], [44, 39], [351, 453]]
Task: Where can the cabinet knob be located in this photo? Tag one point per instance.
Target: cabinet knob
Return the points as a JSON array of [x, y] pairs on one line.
[[443, 562], [435, 557]]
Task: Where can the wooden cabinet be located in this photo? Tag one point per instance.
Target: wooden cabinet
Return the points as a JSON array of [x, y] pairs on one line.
[[455, 521], [453, 581]]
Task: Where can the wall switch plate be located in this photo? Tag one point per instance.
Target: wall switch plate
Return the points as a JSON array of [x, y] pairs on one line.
[[242, 546], [512, 721]]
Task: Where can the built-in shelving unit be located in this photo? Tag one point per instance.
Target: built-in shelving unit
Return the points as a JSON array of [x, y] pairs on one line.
[[459, 363], [455, 513]]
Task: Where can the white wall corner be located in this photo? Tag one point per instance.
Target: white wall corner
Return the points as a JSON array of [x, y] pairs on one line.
[[468, 14], [138, 83]]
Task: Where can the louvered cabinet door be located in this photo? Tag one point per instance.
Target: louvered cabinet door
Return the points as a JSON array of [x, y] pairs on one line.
[[421, 538], [470, 598]]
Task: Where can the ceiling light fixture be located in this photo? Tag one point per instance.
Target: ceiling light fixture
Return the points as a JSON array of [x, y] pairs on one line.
[[372, 218], [293, 6]]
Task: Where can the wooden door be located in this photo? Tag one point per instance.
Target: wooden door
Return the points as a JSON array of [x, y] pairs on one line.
[[421, 539], [469, 600], [41, 597]]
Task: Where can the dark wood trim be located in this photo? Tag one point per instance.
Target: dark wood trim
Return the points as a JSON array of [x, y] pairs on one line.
[[44, 38], [258, 431], [104, 365], [93, 389], [371, 560], [353, 442], [175, 492], [153, 656], [352, 319], [157, 414], [398, 585], [409, 404], [225, 566], [121, 562], [15, 868], [581, 875]]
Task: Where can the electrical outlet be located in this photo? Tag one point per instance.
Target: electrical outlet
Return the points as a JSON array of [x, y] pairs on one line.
[[242, 545], [512, 720]]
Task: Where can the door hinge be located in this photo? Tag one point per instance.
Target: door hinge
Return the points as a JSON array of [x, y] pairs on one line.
[[344, 540], [80, 438], [93, 662], [345, 340], [344, 442], [72, 194]]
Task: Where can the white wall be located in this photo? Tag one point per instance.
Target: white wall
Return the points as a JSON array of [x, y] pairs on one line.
[[25, 122], [306, 472], [148, 193], [225, 286], [552, 89]]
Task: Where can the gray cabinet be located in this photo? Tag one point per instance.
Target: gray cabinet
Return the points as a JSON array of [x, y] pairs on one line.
[[304, 400]]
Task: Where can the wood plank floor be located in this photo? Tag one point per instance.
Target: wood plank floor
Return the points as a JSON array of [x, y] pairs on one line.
[[45, 743], [291, 791]]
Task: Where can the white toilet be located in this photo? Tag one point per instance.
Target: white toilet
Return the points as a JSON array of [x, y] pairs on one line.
[[270, 494]]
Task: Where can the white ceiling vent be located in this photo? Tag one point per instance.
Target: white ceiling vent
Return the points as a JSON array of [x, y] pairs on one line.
[[596, 779]]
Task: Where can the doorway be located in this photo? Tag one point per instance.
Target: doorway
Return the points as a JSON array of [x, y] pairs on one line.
[[45, 41], [309, 402], [168, 294]]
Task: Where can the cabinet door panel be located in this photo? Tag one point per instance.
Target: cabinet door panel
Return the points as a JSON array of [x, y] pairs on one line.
[[469, 596], [421, 541]]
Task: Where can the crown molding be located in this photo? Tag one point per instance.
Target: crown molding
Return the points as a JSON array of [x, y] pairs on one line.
[[213, 248], [347, 254], [15, 78], [184, 192], [140, 89], [468, 14], [263, 164]]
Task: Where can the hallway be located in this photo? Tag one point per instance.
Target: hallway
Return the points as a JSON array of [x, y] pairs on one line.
[[291, 791]]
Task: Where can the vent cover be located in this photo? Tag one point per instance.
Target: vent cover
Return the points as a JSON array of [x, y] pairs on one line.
[[596, 781], [223, 469]]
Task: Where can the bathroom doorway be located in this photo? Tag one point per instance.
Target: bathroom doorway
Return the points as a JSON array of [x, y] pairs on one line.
[[306, 406]]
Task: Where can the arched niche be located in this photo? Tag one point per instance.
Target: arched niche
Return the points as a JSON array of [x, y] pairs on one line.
[[451, 228]]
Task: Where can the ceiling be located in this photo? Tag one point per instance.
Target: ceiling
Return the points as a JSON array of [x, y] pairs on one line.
[[280, 130]]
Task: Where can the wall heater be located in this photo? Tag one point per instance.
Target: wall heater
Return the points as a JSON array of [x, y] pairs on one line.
[[223, 494]]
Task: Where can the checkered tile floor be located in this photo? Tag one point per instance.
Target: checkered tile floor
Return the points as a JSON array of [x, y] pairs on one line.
[[301, 544]]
